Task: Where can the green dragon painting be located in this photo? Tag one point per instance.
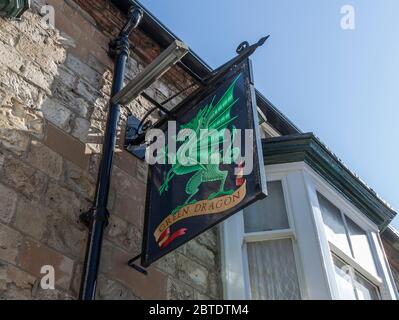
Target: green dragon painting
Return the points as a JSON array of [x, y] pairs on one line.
[[212, 117]]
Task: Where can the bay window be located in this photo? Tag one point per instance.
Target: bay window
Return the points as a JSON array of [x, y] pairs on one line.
[[303, 241], [354, 264]]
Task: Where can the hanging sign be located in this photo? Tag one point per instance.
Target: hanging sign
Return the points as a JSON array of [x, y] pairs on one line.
[[205, 167]]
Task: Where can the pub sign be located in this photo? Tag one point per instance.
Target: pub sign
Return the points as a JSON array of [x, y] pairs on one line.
[[209, 168]]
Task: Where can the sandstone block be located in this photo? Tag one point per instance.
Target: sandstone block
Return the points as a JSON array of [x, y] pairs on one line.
[[64, 201], [10, 58], [30, 25], [125, 161], [178, 290], [68, 98], [19, 87], [15, 141], [79, 180], [8, 200], [16, 123], [81, 129], [41, 294], [83, 70], [22, 117], [168, 264], [192, 273], [94, 164], [67, 146], [127, 208], [124, 234], [45, 159], [31, 218], [142, 171], [23, 178], [133, 68], [150, 286], [76, 280], [215, 285], [47, 54], [34, 255], [209, 239], [87, 91], [15, 284], [63, 236], [201, 254], [35, 75], [108, 289], [200, 296], [66, 76], [9, 38], [57, 114], [127, 185], [10, 240], [99, 66]]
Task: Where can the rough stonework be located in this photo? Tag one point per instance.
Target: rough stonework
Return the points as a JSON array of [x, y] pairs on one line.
[[54, 93]]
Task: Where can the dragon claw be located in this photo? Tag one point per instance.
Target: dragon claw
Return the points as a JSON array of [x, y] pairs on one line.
[[163, 189]]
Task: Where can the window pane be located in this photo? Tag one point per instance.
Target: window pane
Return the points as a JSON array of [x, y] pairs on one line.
[[344, 281], [334, 225], [272, 270], [269, 213], [351, 285], [361, 246], [364, 289]]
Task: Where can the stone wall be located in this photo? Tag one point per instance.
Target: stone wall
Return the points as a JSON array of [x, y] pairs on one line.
[[54, 90]]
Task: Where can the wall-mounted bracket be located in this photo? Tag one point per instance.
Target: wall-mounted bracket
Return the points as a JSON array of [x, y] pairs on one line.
[[135, 129], [132, 130], [131, 264], [166, 60]]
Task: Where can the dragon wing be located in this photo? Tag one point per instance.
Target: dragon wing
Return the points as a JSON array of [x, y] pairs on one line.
[[219, 116], [211, 117]]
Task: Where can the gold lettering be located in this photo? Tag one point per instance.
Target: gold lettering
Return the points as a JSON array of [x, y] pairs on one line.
[[197, 207], [203, 207], [236, 196], [226, 202]]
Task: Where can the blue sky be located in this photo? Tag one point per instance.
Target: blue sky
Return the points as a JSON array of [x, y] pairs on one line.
[[343, 85]]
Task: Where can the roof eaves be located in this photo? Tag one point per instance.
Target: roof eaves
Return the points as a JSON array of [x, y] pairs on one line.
[[308, 148]]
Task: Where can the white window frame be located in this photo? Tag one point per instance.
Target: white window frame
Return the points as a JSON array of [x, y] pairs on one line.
[[383, 280], [312, 250], [288, 233], [235, 273]]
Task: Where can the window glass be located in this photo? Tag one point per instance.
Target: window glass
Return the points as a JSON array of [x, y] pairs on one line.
[[272, 270], [351, 239], [344, 280], [335, 227], [269, 213], [351, 285], [361, 246], [364, 289]]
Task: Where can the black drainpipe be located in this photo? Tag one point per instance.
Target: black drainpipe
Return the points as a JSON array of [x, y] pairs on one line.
[[97, 217]]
